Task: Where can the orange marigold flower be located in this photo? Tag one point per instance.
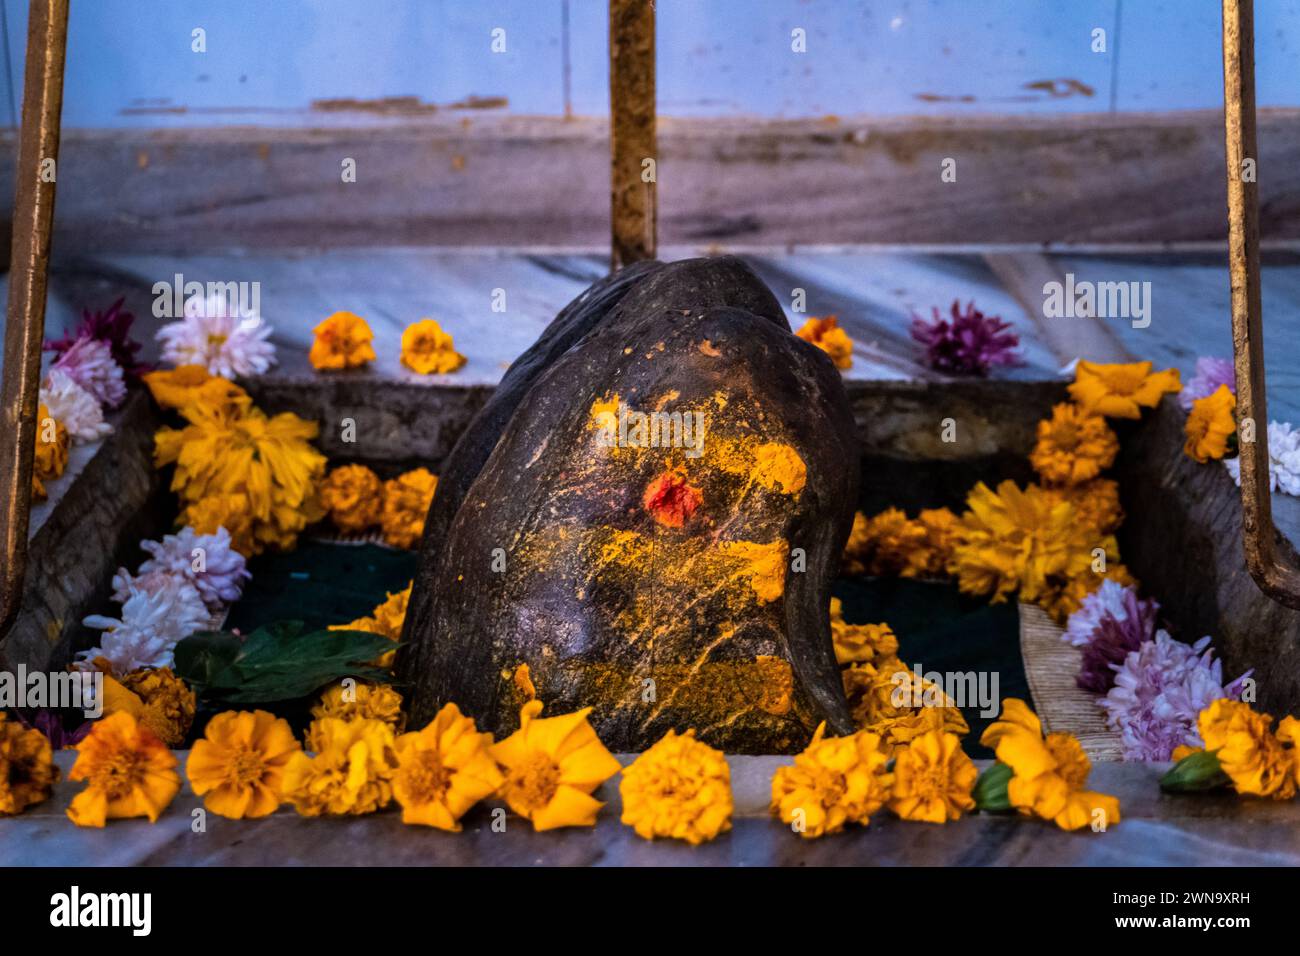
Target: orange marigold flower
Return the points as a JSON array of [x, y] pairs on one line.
[[427, 349], [128, 771], [443, 770], [27, 771], [51, 451], [353, 496], [406, 504], [229, 511], [1073, 446], [157, 698], [342, 341], [186, 384], [857, 549], [855, 643], [1254, 759], [1095, 503], [888, 699], [1123, 390], [836, 780], [362, 700], [679, 788], [933, 779], [827, 335], [238, 766], [1210, 424], [892, 540]]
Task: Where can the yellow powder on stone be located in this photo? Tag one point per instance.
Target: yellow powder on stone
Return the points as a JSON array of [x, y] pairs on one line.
[[763, 564], [524, 682], [779, 465], [604, 413]]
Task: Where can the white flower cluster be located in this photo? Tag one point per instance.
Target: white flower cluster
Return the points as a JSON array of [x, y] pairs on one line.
[[1283, 459], [214, 334], [172, 595]]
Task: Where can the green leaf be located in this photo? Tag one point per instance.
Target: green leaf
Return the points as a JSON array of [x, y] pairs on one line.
[[1195, 773], [279, 662], [203, 655], [991, 789]]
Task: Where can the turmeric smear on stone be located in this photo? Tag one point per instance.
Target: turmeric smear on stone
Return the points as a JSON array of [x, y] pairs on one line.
[[763, 564], [775, 466]]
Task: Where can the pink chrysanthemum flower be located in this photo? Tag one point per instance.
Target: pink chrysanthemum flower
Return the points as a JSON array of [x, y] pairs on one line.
[[1211, 372], [89, 362], [1160, 688], [971, 343], [215, 335], [73, 406], [205, 560], [112, 326]]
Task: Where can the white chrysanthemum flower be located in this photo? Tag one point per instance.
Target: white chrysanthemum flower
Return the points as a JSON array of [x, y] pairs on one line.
[[214, 334], [75, 407], [1283, 459], [205, 560], [159, 611], [1107, 599]]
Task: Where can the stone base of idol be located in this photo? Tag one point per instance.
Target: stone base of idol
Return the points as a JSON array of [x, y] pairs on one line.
[[1157, 830]]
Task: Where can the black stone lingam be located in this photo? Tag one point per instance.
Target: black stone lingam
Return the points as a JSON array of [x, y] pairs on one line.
[[645, 519]]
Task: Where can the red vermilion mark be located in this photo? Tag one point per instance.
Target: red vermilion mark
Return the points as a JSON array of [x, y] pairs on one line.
[[671, 500]]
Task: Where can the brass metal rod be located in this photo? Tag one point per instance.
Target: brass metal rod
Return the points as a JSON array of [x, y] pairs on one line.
[[1278, 579], [633, 153], [38, 150]]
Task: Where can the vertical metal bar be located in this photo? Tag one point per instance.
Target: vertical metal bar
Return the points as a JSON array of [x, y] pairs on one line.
[[1279, 580], [633, 199], [38, 150]]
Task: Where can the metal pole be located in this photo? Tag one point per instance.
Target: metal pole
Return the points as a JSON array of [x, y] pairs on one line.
[[633, 200], [1278, 579], [38, 150]]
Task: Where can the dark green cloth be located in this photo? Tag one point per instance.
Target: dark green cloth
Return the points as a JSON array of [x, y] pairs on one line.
[[943, 630], [321, 583]]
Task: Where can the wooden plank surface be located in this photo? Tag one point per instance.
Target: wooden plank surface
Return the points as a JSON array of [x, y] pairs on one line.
[[503, 180]]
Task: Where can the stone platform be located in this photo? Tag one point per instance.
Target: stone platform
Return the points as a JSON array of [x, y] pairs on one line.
[[1157, 830]]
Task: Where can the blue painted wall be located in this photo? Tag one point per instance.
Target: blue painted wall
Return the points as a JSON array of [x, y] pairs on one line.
[[130, 62]]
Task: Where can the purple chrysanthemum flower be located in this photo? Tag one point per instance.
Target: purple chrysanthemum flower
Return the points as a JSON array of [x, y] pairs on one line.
[[112, 326], [1113, 640], [49, 723], [970, 344], [1159, 691], [1107, 599], [89, 362], [1211, 372]]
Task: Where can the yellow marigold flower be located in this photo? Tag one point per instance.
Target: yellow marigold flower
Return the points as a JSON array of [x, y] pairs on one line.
[[50, 452], [426, 349], [552, 766], [406, 504], [1048, 773], [186, 384], [888, 699], [266, 461], [827, 335], [128, 771], [351, 772], [391, 615], [1210, 423], [1121, 391], [859, 642], [856, 550], [836, 780], [1095, 503], [891, 542], [1073, 446], [231, 512], [342, 341], [155, 697], [1022, 539], [27, 771], [933, 779], [353, 497], [1242, 739], [443, 770], [930, 557], [679, 788], [362, 700], [238, 766]]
